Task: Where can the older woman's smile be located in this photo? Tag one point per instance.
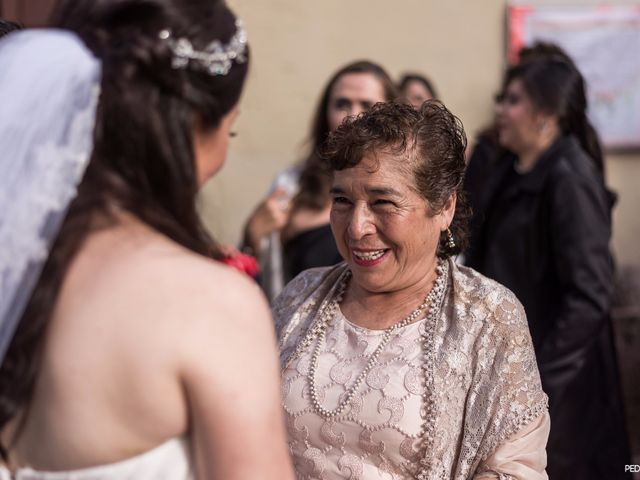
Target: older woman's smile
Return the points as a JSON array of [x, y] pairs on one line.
[[369, 258]]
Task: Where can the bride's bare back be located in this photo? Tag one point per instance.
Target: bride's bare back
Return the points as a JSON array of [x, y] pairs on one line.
[[147, 342]]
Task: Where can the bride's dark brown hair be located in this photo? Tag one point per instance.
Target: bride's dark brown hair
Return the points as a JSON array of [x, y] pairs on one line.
[[143, 160]]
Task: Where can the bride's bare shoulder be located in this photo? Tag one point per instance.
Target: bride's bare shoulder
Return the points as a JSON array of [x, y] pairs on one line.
[[145, 271]]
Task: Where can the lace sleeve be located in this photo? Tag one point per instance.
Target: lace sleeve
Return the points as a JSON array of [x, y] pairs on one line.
[[521, 457], [510, 376]]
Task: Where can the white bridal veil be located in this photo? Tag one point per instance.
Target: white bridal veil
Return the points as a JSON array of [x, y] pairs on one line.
[[49, 87]]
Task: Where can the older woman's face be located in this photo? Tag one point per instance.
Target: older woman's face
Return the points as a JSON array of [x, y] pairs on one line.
[[383, 226]]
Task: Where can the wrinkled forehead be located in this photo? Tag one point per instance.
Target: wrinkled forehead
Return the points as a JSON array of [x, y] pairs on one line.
[[383, 164], [396, 155]]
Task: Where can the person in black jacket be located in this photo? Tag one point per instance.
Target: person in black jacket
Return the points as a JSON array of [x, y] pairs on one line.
[[487, 153], [545, 235]]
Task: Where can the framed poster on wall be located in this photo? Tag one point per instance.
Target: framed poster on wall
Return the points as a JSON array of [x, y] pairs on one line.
[[604, 42]]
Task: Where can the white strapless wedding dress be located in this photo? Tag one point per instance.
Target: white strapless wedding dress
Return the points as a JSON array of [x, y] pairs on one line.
[[169, 461]]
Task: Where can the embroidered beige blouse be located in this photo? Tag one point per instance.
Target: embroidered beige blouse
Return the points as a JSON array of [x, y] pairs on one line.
[[488, 415]]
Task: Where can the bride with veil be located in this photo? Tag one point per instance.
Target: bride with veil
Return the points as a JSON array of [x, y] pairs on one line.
[[127, 350]]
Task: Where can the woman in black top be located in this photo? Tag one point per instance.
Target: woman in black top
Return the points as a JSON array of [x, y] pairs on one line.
[[545, 234]]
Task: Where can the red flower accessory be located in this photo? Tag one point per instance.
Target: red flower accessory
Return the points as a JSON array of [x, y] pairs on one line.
[[244, 263]]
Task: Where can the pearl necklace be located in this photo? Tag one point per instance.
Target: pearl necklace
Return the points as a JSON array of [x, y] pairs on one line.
[[432, 301]]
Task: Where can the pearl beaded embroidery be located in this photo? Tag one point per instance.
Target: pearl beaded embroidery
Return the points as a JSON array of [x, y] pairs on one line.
[[432, 302]]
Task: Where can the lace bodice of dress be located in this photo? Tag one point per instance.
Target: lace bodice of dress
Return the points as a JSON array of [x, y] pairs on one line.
[[378, 436], [169, 461]]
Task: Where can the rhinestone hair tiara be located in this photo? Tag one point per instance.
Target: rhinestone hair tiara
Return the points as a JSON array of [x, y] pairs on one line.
[[215, 59]]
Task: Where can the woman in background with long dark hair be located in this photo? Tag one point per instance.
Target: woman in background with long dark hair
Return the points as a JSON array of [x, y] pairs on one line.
[[135, 353], [546, 236]]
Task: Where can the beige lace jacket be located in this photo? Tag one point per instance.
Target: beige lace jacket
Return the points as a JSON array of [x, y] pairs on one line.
[[483, 384]]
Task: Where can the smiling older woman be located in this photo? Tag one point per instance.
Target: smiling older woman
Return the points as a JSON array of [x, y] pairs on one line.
[[398, 363]]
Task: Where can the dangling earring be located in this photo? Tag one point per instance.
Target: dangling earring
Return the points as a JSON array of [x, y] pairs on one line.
[[450, 241]]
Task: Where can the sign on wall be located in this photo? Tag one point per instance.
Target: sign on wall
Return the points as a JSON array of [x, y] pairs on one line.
[[604, 42]]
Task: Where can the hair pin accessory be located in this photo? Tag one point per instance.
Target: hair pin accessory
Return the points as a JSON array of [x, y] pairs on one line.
[[216, 59]]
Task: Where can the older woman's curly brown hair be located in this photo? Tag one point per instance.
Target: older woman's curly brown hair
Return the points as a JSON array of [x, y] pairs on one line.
[[433, 142]]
